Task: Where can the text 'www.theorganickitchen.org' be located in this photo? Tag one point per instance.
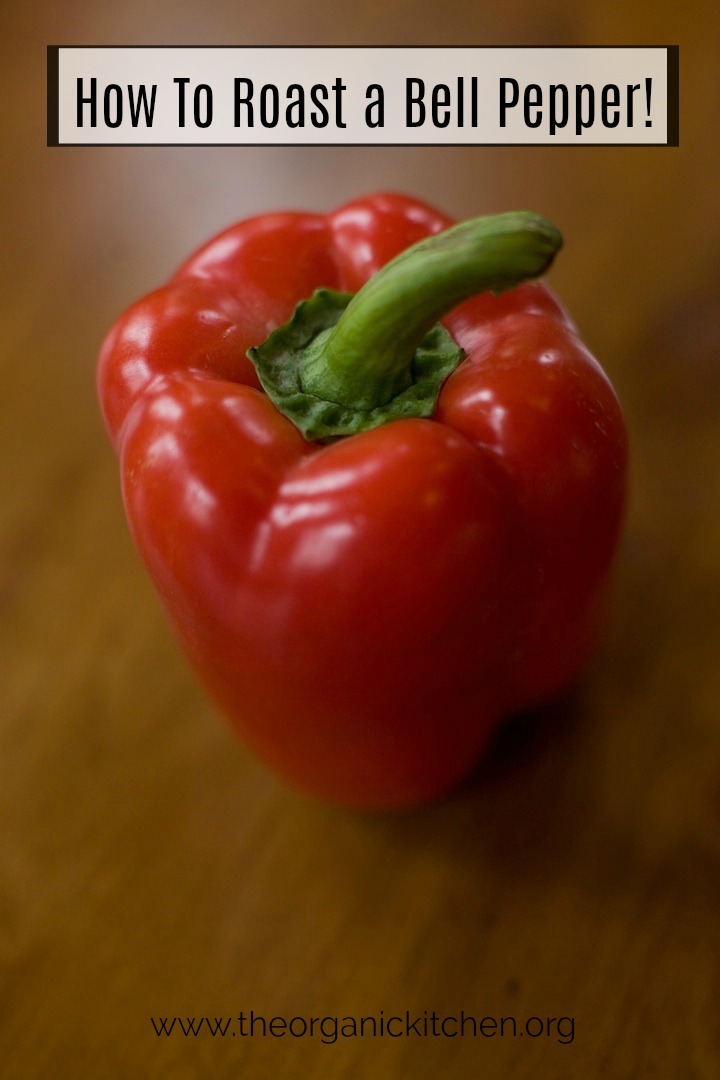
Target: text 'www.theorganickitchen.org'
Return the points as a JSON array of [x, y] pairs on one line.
[[331, 1029]]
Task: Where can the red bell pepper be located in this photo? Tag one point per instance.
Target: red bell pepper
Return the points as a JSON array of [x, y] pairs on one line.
[[369, 576]]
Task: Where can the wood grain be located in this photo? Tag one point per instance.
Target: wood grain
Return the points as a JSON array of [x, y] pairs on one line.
[[149, 866]]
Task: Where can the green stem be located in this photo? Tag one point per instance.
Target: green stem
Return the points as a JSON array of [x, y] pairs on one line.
[[365, 360]]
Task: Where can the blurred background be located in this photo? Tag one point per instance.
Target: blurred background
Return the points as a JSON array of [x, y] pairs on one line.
[[148, 865]]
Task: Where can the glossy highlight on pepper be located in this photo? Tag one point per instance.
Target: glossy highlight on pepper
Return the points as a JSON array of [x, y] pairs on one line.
[[366, 610]]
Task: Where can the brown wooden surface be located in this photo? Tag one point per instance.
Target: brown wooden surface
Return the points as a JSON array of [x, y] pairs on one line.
[[148, 866]]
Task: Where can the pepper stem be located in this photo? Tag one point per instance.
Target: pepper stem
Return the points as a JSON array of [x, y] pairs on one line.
[[345, 364], [365, 360]]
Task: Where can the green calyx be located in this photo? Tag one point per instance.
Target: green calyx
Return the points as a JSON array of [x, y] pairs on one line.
[[282, 360], [345, 364]]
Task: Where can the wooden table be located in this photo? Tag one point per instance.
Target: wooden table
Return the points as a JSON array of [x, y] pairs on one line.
[[150, 867]]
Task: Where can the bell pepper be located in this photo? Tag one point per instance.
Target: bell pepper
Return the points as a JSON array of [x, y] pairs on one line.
[[378, 482]]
